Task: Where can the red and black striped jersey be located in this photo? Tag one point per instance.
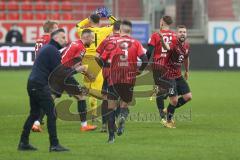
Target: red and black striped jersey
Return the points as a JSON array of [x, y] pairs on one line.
[[160, 54], [177, 55], [44, 39]]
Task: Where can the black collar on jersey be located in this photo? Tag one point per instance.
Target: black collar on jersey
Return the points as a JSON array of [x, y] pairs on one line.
[[56, 44]]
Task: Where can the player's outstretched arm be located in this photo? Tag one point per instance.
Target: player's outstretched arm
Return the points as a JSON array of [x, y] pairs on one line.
[[150, 51], [144, 59], [83, 23], [165, 45]]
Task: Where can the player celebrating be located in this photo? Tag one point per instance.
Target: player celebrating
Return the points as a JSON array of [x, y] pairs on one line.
[[159, 59], [72, 55], [105, 72], [48, 28], [89, 59], [178, 54], [123, 71]]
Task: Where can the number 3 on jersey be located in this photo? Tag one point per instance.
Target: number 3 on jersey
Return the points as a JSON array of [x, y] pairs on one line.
[[168, 40]]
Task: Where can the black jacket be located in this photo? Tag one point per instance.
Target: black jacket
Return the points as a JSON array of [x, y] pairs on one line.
[[46, 61], [14, 36]]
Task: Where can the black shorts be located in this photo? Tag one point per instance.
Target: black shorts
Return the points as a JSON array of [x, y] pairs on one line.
[[164, 85], [179, 87], [122, 90], [71, 86]]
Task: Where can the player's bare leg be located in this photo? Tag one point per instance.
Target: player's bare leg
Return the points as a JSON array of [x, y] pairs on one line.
[[122, 117], [82, 110], [112, 104], [184, 99]]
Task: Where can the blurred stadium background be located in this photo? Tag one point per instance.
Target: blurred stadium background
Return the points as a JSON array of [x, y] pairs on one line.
[[211, 132], [211, 23]]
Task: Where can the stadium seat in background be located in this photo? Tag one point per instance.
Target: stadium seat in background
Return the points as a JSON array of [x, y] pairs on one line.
[[27, 5], [66, 6], [27, 16], [129, 9], [216, 11], [40, 16], [3, 17], [53, 5], [2, 5], [13, 16], [66, 16], [54, 16], [78, 16], [40, 5], [12, 5]]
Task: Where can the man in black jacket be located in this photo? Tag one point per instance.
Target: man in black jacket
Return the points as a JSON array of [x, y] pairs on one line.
[[39, 91]]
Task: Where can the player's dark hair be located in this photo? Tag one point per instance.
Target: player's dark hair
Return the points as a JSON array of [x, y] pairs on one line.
[[181, 26], [116, 25], [48, 26], [167, 19], [57, 31], [86, 31], [95, 18], [127, 23]]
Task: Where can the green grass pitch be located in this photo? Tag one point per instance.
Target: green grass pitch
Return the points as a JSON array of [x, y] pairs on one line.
[[210, 132]]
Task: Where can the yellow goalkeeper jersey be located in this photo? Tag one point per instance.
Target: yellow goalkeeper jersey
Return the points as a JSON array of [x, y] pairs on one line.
[[100, 34]]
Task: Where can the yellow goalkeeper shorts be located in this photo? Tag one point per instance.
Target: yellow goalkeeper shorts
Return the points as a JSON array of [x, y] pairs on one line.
[[96, 70]]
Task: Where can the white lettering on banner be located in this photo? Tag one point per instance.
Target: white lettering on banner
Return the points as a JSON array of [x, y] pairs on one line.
[[223, 32], [232, 55], [32, 34], [16, 56]]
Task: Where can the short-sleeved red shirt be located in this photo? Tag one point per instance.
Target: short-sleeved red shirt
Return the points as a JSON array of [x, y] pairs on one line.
[[73, 51], [44, 39], [160, 54], [122, 55], [178, 53]]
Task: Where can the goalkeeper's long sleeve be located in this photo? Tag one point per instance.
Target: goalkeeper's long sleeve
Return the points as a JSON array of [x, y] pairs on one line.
[[80, 26], [112, 19], [83, 23]]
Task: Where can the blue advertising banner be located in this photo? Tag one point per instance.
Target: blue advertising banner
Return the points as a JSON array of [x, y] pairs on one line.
[[141, 31]]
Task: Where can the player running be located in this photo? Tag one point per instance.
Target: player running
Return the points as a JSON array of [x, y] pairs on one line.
[[123, 71], [178, 54], [105, 72], [48, 28], [72, 55], [93, 23], [159, 55]]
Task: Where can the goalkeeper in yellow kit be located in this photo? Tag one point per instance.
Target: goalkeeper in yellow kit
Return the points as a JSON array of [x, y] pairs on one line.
[[93, 23]]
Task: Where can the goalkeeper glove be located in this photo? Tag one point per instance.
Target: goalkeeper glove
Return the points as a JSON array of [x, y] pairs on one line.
[[103, 12]]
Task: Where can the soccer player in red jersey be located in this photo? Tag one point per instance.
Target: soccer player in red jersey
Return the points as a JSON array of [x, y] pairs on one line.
[[158, 54], [122, 56], [48, 28], [72, 55], [105, 72], [178, 55]]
